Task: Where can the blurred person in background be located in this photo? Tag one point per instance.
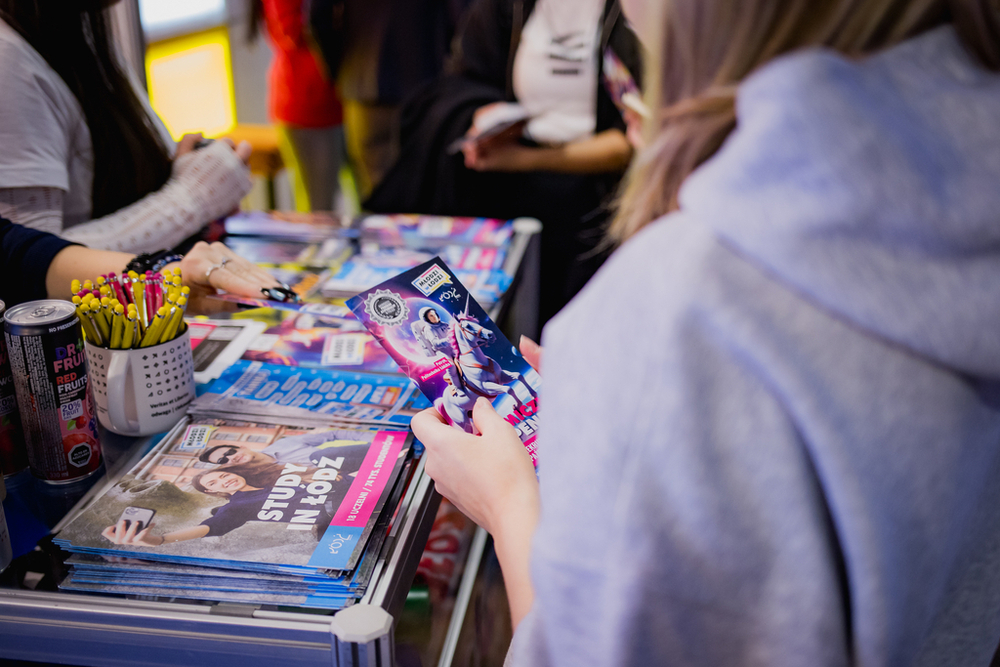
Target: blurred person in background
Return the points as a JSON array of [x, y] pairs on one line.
[[303, 102], [82, 154], [546, 56], [380, 51]]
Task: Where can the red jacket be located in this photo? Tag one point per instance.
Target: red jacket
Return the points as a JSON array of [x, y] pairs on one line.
[[299, 94]]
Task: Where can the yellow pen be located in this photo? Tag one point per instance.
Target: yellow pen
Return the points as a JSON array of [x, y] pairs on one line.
[[132, 314], [85, 322], [168, 303], [155, 328], [128, 333], [118, 327], [99, 321], [168, 322], [106, 313], [176, 321], [137, 293]]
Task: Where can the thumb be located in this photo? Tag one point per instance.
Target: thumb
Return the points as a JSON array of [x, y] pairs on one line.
[[486, 418], [532, 352]]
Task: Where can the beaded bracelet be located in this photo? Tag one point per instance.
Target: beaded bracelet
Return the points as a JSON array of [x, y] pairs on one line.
[[152, 261]]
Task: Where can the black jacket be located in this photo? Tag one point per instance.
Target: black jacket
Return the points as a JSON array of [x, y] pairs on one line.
[[426, 179], [25, 255]]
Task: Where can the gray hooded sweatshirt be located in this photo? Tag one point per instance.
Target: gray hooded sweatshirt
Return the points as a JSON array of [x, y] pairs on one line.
[[772, 421]]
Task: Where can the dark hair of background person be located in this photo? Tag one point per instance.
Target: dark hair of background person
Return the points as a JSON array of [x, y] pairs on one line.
[[74, 38]]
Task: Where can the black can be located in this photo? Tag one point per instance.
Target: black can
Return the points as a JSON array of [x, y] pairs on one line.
[[13, 457], [45, 346]]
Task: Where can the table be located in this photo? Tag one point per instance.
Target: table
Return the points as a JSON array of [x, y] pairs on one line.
[[51, 626]]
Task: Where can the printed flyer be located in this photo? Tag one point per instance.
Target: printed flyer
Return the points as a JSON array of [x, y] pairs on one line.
[[303, 340], [447, 344], [270, 391]]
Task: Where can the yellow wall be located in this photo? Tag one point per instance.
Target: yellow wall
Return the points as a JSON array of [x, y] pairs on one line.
[[190, 82]]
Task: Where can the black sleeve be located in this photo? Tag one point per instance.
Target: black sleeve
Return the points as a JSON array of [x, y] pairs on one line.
[[426, 177], [326, 30], [482, 49], [25, 256], [227, 518]]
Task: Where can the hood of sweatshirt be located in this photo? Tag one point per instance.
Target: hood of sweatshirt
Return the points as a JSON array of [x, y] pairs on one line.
[[872, 187]]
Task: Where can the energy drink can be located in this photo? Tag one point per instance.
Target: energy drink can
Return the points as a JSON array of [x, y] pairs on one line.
[[13, 457], [45, 346]]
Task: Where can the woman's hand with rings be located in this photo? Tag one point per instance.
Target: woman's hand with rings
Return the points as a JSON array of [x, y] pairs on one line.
[[220, 265], [210, 267]]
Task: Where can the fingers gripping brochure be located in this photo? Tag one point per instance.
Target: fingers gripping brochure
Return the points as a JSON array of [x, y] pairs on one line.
[[444, 341]]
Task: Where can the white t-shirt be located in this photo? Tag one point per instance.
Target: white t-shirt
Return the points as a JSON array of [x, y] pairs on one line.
[[44, 139], [555, 69]]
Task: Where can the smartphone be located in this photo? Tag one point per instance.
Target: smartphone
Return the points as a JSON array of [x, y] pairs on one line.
[[140, 514]]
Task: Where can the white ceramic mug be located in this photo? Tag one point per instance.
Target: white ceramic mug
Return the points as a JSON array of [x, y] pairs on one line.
[[144, 391]]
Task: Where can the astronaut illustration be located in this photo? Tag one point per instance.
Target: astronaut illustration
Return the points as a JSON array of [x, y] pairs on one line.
[[436, 338]]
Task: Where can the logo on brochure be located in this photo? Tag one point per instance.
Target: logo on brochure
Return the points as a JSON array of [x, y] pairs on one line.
[[196, 437], [431, 279], [386, 308], [338, 541]]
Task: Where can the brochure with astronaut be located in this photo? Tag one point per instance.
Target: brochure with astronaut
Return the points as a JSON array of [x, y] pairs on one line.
[[447, 344]]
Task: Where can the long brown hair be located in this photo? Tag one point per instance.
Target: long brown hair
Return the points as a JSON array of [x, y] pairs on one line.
[[130, 159], [707, 47]]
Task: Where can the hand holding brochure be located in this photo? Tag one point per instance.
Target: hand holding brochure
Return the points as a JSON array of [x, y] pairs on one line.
[[501, 122], [444, 341]]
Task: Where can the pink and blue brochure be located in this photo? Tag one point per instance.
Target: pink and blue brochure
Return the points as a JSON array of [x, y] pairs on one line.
[[447, 344]]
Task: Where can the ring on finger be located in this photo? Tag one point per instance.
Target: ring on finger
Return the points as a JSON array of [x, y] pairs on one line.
[[220, 265]]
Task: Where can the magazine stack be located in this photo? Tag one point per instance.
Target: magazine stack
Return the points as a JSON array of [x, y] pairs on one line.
[[362, 253], [235, 510]]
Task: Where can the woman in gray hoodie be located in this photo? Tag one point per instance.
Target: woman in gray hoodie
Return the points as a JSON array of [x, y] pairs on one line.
[[771, 423]]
